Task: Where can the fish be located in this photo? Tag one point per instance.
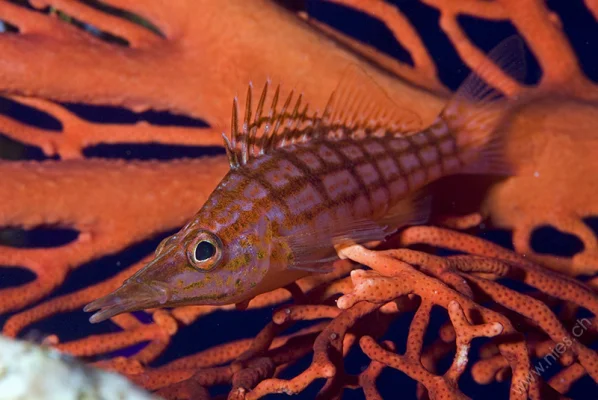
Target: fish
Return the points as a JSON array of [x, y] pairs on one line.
[[303, 185]]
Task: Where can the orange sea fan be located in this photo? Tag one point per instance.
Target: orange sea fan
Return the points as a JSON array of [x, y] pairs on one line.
[[190, 58]]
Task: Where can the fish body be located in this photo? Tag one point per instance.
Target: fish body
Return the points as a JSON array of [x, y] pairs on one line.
[[313, 188], [303, 185]]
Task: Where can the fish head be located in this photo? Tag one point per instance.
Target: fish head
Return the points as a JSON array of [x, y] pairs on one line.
[[206, 263]]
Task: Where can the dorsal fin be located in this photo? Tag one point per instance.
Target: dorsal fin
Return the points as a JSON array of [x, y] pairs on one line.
[[360, 102], [358, 107]]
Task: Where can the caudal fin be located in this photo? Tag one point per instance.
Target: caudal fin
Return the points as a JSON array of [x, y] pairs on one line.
[[476, 109]]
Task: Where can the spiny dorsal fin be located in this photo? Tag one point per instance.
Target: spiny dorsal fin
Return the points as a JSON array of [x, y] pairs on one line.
[[264, 133], [357, 108]]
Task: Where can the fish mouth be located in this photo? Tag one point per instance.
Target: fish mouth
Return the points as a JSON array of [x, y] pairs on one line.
[[131, 296]]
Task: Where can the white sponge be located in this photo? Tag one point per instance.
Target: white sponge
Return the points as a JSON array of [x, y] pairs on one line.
[[32, 372]]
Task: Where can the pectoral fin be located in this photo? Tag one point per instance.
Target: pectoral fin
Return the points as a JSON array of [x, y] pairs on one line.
[[314, 249], [412, 210]]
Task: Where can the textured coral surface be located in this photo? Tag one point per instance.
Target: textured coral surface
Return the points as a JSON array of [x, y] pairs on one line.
[[120, 107]]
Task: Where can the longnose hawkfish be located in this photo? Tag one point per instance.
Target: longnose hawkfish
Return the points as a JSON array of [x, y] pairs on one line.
[[304, 184]]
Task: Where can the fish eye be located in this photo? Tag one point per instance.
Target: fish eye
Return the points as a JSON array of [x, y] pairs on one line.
[[204, 251]]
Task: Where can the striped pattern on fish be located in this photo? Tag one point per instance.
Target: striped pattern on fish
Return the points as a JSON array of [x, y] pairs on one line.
[[303, 185], [325, 181]]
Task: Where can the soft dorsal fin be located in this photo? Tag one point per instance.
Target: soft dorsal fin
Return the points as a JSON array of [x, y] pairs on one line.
[[358, 107], [360, 102]]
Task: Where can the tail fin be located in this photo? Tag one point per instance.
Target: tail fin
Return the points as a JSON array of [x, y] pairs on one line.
[[475, 110]]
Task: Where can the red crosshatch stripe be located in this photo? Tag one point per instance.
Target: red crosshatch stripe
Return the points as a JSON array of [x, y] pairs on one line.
[[376, 169]]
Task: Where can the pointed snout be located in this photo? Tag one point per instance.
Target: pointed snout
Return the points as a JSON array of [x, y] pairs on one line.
[[148, 288], [131, 296]]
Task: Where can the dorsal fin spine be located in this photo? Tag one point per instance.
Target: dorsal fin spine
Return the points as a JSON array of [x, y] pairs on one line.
[[274, 103], [269, 130], [280, 118], [234, 160], [247, 118], [287, 133], [256, 120], [229, 151], [234, 123], [284, 122], [295, 113], [260, 104], [246, 121], [291, 119], [302, 117]]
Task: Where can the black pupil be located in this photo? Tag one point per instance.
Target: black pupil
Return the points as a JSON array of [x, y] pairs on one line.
[[204, 251]]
